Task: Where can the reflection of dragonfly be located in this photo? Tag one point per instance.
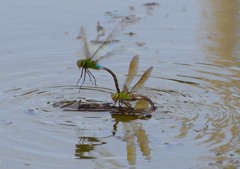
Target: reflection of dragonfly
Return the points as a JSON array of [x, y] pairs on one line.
[[89, 62], [127, 94], [86, 145], [133, 134]]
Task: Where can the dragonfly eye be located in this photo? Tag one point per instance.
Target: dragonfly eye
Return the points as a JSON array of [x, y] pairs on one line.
[[115, 96], [81, 63]]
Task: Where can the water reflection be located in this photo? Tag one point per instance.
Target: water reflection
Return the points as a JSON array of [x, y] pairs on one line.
[[133, 132], [85, 146], [133, 135], [222, 45], [221, 23]]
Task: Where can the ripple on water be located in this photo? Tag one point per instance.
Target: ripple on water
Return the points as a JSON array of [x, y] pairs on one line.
[[31, 125], [195, 113], [186, 116]]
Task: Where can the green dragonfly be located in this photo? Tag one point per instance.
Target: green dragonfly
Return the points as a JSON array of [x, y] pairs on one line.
[[127, 94], [89, 61]]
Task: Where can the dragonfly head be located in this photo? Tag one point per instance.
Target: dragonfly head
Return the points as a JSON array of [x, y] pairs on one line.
[[81, 63], [115, 96]]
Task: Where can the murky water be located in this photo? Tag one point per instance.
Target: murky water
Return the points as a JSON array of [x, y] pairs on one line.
[[193, 46]]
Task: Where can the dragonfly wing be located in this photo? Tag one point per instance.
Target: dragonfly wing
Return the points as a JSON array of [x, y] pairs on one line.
[[109, 38], [132, 71], [103, 57], [142, 80], [85, 43]]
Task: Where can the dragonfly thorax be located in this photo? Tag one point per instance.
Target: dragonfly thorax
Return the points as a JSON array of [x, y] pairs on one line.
[[88, 63], [122, 96]]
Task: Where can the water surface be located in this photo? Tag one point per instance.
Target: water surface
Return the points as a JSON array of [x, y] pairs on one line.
[[193, 46]]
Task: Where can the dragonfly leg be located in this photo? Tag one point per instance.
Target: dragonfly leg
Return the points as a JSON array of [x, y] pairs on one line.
[[91, 75], [84, 78], [80, 77], [119, 103], [127, 104], [114, 103]]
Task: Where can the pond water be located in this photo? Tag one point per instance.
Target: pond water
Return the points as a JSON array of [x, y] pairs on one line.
[[193, 46]]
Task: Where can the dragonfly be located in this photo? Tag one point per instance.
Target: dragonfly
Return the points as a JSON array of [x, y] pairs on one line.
[[90, 62], [127, 94]]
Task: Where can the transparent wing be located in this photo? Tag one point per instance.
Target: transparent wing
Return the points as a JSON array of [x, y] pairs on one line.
[[103, 57], [109, 38], [142, 80], [132, 71], [108, 54], [85, 43]]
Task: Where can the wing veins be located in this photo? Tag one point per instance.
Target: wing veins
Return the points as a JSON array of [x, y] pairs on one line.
[[132, 71], [142, 80], [85, 42]]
